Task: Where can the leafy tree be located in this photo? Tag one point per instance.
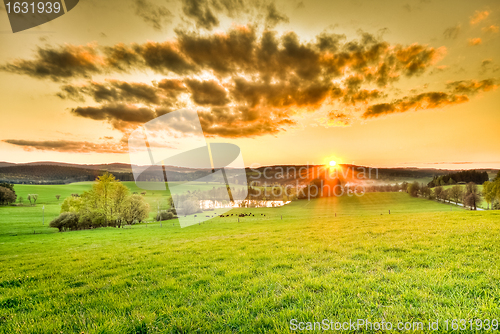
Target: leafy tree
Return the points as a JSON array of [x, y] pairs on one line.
[[72, 204], [7, 196], [413, 189], [20, 200], [8, 186], [107, 203], [471, 197], [445, 195], [438, 192], [456, 193], [425, 191], [134, 209]]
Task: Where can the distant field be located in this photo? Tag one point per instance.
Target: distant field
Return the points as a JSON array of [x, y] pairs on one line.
[[299, 261]]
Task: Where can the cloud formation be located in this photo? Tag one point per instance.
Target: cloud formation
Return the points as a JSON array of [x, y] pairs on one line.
[[63, 62], [155, 15], [121, 116], [472, 87], [479, 16], [475, 41], [242, 83], [68, 146], [428, 100], [274, 17], [491, 29]]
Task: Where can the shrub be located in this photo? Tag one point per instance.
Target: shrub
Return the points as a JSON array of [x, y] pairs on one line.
[[164, 215], [91, 220], [65, 221]]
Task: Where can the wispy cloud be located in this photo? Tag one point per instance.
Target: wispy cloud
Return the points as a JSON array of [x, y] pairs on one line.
[[479, 16], [475, 41]]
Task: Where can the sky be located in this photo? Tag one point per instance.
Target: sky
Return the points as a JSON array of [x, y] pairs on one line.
[[375, 83]]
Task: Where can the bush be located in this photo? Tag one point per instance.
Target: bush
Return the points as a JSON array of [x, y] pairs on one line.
[[164, 215], [65, 221], [91, 220]]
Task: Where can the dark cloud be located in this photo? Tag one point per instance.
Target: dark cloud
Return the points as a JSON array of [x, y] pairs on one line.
[[202, 13], [243, 122], [274, 17], [68, 146], [165, 57], [488, 65], [115, 91], [472, 87], [428, 100], [207, 93], [206, 13], [155, 15], [238, 51], [123, 58], [222, 53], [253, 84], [416, 58], [62, 63], [452, 32], [121, 116], [172, 87], [329, 42]]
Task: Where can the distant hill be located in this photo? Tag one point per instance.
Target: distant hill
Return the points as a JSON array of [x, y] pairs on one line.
[[47, 172]]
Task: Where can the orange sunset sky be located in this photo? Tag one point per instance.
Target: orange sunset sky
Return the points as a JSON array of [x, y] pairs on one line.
[[378, 83]]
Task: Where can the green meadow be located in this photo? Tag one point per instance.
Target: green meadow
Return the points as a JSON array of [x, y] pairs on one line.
[[332, 258]]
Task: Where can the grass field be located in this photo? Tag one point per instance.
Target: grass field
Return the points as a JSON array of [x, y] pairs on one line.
[[29, 219], [420, 263]]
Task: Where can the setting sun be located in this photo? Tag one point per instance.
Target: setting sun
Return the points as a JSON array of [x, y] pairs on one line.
[[332, 163]]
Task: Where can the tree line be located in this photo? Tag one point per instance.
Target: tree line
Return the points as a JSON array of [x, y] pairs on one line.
[[465, 176], [468, 195]]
